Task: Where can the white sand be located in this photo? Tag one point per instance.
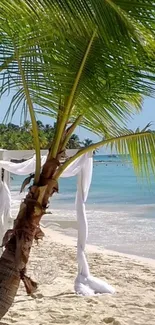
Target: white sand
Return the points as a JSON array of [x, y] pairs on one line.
[[53, 263]]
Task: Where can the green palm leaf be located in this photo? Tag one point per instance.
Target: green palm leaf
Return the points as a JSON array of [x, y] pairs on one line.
[[43, 46], [52, 62], [139, 145]]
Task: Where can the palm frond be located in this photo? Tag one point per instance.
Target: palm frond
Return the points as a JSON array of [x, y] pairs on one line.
[[140, 146], [51, 38]]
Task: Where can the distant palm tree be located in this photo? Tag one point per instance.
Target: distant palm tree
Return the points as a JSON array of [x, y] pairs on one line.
[[40, 125], [74, 142], [87, 142], [48, 127], [27, 126]]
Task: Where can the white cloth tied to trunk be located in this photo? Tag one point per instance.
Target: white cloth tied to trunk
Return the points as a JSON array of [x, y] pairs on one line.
[[85, 283]]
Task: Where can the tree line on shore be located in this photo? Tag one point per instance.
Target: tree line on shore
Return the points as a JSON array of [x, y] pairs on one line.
[[15, 137]]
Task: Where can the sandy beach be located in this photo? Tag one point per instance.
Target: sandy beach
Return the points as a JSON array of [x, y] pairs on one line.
[[53, 265]]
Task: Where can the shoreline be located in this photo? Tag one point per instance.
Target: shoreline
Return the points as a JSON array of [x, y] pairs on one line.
[[68, 228], [64, 239], [119, 230]]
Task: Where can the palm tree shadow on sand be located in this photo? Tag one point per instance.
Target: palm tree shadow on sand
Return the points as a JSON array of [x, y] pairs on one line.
[[40, 296], [64, 295]]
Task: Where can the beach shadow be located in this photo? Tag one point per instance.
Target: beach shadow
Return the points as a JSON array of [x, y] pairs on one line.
[[62, 294], [22, 300], [39, 296]]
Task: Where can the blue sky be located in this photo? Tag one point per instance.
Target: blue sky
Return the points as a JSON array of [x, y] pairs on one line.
[[147, 115]]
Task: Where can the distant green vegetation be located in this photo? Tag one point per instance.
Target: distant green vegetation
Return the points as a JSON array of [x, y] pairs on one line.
[[15, 137]]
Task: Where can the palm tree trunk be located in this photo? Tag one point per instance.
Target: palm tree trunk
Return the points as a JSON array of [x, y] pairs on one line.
[[9, 283], [19, 240]]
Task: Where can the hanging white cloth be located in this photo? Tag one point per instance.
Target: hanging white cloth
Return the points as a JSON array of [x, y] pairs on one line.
[[85, 284], [24, 168], [5, 208]]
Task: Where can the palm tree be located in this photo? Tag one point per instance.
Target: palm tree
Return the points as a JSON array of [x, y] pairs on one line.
[[84, 63], [49, 132], [87, 142], [48, 128], [27, 126], [40, 125], [74, 142]]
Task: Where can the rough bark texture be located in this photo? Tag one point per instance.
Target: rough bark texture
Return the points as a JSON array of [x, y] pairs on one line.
[[18, 241], [9, 283]]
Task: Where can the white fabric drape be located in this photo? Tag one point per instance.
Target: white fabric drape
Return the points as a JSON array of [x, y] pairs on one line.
[[85, 284], [24, 168], [5, 208]]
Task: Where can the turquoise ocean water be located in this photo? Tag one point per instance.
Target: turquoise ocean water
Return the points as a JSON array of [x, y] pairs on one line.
[[120, 207]]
